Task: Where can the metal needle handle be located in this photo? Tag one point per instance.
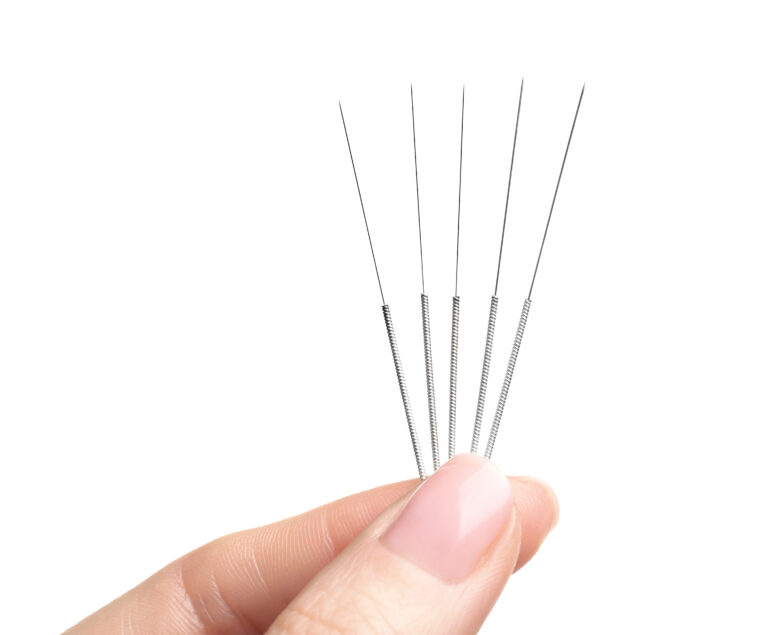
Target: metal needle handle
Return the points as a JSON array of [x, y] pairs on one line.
[[403, 391], [484, 375], [454, 374], [508, 377], [427, 331]]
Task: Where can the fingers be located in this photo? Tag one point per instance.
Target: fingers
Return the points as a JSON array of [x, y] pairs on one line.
[[537, 512], [434, 563], [240, 583]]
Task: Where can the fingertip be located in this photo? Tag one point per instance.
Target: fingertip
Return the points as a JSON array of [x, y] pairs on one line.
[[546, 495], [538, 511]]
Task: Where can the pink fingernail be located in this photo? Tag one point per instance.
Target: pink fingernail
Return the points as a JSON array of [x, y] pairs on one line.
[[453, 517]]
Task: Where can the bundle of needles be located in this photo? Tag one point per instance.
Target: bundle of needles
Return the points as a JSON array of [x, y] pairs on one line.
[[426, 326]]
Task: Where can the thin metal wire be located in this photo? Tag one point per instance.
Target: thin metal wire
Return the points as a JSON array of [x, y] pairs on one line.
[[557, 187], [360, 195], [526, 306], [389, 327], [425, 323], [455, 310], [509, 187], [494, 299], [458, 215], [418, 202]]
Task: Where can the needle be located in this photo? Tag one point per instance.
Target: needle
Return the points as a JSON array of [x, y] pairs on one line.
[[455, 310], [527, 304], [426, 329], [388, 324], [554, 196], [509, 186], [494, 298], [458, 215]]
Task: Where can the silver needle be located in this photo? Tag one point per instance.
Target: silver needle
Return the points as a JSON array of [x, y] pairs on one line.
[[509, 186], [554, 196], [527, 304], [455, 310], [494, 298], [458, 215], [388, 324], [427, 332]]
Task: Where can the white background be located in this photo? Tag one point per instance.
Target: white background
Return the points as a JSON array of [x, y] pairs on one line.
[[190, 331]]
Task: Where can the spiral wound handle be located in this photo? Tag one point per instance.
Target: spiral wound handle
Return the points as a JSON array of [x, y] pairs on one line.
[[403, 391], [508, 377], [454, 374], [484, 375], [430, 381]]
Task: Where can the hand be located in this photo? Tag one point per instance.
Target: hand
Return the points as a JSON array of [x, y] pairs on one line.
[[383, 561]]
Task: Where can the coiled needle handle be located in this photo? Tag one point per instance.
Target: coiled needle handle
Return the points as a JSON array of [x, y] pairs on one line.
[[388, 323], [403, 391], [484, 374], [508, 377], [453, 377], [527, 304], [425, 323]]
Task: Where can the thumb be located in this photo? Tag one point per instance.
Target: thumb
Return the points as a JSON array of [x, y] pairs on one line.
[[433, 563]]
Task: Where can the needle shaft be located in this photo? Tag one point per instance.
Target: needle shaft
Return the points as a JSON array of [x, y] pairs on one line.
[[425, 322], [557, 188], [458, 214], [389, 327], [491, 329], [362, 206], [418, 201], [509, 187]]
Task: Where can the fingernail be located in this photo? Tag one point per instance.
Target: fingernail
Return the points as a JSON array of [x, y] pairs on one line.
[[453, 517]]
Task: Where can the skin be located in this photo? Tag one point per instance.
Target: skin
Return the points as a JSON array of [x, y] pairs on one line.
[[326, 571]]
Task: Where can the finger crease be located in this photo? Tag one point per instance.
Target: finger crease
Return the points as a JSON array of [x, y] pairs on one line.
[[326, 535], [307, 616]]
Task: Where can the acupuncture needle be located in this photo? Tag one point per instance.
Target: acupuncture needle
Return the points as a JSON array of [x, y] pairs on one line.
[[527, 304], [494, 299], [455, 310], [425, 323], [388, 323]]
